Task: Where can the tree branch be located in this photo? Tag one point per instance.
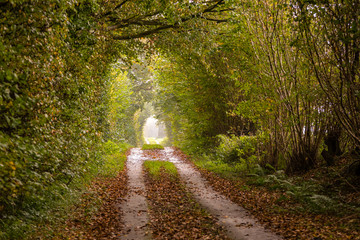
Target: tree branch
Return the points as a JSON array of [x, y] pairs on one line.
[[158, 22], [216, 20], [136, 20], [145, 33], [117, 7]]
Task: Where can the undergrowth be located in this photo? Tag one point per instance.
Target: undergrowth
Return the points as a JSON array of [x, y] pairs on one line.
[[223, 169], [58, 200], [316, 195]]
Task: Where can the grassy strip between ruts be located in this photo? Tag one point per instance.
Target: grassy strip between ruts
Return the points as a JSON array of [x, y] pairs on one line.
[[174, 214], [95, 215], [151, 147], [154, 168]]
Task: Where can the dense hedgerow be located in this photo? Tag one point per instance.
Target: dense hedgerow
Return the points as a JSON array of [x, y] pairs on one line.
[[52, 99]]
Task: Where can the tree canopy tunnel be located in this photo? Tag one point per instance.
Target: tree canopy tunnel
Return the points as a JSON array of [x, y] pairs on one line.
[[270, 81]]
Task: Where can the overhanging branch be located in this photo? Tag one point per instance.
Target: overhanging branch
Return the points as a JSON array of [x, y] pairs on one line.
[[145, 33], [115, 8], [160, 23], [215, 20], [136, 20]]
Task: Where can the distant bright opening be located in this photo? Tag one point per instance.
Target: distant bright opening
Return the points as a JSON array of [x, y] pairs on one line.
[[154, 131]]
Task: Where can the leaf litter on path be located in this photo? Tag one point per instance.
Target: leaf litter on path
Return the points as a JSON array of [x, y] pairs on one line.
[[236, 220], [134, 208], [174, 214], [279, 215]]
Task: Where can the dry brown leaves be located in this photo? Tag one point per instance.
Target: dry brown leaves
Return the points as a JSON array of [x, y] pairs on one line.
[[174, 214], [154, 154], [277, 214], [105, 223]]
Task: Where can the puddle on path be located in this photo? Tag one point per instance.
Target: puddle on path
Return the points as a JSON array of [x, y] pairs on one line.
[[134, 209], [238, 222]]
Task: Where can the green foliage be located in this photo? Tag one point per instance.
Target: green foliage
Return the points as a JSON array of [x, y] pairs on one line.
[[234, 170], [140, 117], [155, 167], [51, 86], [113, 164], [243, 149], [288, 71], [53, 72], [113, 158], [51, 207], [120, 106], [251, 74], [165, 142], [236, 156], [152, 146], [336, 75], [308, 193], [54, 209], [57, 199], [196, 93], [312, 196], [110, 147]]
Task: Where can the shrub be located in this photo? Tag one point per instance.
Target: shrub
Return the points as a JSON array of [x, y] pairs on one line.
[[110, 147], [238, 149], [113, 158]]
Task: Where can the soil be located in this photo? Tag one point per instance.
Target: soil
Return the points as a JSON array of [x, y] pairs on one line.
[[135, 207], [236, 220]]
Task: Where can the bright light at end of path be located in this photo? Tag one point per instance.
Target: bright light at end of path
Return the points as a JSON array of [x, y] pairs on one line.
[[153, 128]]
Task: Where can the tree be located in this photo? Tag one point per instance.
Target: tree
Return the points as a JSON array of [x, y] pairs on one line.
[[137, 19], [329, 35]]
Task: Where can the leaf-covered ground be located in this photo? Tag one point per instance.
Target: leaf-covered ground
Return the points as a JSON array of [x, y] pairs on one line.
[[174, 214], [280, 213], [105, 222]]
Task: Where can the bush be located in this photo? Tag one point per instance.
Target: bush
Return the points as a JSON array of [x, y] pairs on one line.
[[225, 170], [110, 147], [52, 204], [238, 149], [113, 158]]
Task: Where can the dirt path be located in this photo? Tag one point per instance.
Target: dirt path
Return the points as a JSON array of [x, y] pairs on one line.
[[236, 220], [239, 223], [135, 207]]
